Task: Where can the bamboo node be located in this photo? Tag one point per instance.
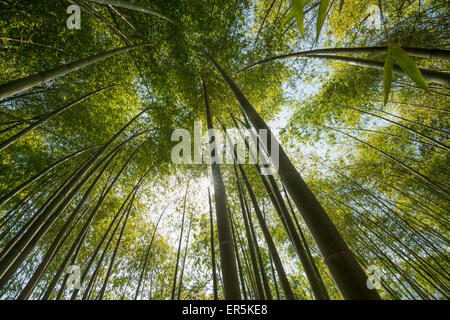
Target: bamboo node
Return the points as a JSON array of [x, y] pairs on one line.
[[225, 242], [335, 254]]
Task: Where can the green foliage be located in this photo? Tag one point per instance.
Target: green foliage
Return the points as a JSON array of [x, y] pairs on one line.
[[388, 216], [408, 65], [298, 8], [397, 54], [323, 8]]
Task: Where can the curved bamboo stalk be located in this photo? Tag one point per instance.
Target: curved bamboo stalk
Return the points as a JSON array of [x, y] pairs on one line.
[[113, 258], [435, 54], [19, 85], [25, 184], [39, 45], [48, 215], [131, 6], [429, 75], [57, 243], [433, 183], [431, 140], [31, 284], [105, 235], [47, 117], [401, 221]]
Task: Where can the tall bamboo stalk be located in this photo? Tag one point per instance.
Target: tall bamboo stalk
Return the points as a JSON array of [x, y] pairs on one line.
[[174, 282], [271, 264], [249, 273], [16, 252], [131, 6], [25, 184], [270, 244], [251, 242], [228, 260], [275, 196], [302, 235], [93, 279], [420, 266], [31, 284], [105, 235], [260, 262], [345, 269], [78, 242], [180, 281], [148, 252], [429, 75], [240, 269], [211, 240], [116, 248], [78, 245], [19, 85], [47, 215]]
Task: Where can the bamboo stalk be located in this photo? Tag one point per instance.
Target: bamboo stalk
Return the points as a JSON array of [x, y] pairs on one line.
[[131, 6], [345, 269], [429, 75], [19, 85], [228, 260]]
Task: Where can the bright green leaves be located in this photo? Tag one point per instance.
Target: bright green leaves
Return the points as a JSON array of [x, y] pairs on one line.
[[298, 12], [289, 17], [387, 74], [397, 54], [298, 7], [323, 7], [408, 66]]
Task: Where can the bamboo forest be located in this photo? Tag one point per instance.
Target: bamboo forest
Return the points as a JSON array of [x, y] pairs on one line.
[[338, 190]]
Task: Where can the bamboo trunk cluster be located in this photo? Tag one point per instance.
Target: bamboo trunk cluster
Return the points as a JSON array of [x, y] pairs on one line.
[[344, 268]]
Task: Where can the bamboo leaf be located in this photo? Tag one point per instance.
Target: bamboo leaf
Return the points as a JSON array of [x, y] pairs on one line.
[[289, 17], [297, 8], [323, 7], [387, 74], [408, 66]]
